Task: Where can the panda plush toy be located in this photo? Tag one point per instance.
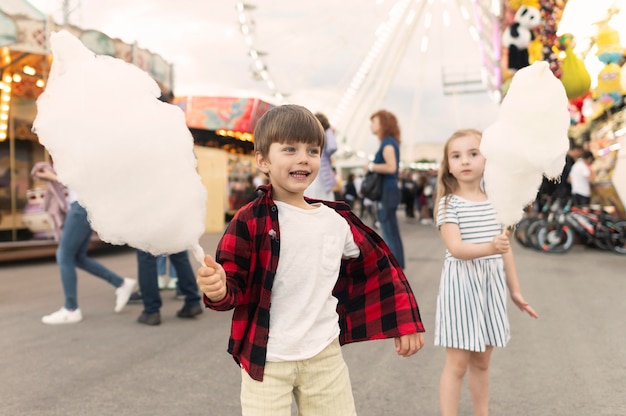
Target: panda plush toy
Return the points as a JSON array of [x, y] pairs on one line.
[[518, 36]]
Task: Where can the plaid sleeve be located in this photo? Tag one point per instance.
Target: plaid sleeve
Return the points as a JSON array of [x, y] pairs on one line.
[[375, 298]]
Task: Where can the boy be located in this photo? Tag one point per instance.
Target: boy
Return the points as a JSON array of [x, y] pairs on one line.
[[581, 177], [336, 281]]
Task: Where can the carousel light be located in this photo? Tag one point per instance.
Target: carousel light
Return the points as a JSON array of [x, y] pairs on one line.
[[40, 83], [17, 78], [4, 116], [29, 70], [4, 108], [8, 79]]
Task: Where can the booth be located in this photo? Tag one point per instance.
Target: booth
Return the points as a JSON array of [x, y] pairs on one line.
[[227, 124]]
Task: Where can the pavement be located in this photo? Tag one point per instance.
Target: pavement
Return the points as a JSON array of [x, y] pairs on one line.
[[570, 361]]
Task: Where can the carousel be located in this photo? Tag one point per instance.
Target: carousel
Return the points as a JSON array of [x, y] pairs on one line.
[[25, 62]]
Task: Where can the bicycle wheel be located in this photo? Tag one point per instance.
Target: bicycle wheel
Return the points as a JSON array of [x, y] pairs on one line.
[[617, 237], [555, 237], [531, 233], [520, 232]]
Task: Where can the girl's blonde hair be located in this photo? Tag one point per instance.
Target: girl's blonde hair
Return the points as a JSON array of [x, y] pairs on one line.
[[446, 183]]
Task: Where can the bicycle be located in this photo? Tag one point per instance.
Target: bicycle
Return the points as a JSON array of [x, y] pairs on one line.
[[594, 227]]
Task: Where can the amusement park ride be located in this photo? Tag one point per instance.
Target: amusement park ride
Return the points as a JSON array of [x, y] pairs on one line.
[[408, 26]]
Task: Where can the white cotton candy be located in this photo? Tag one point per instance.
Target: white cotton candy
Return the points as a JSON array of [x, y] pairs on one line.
[[528, 139], [128, 156]]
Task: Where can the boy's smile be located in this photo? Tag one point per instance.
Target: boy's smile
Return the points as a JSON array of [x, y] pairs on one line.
[[291, 167]]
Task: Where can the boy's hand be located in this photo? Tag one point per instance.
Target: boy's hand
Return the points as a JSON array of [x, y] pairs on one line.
[[211, 279], [407, 345]]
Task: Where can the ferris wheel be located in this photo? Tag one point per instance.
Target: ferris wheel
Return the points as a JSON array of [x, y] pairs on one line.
[[350, 57]]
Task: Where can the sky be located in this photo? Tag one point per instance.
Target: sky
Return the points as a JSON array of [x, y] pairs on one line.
[[312, 51]]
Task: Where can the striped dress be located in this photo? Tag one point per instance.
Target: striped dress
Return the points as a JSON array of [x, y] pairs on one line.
[[471, 305]]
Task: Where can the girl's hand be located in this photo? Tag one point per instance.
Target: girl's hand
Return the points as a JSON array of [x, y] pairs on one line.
[[518, 299], [211, 279], [501, 243], [407, 345]]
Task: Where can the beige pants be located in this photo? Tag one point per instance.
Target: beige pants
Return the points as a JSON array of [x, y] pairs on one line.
[[320, 385]]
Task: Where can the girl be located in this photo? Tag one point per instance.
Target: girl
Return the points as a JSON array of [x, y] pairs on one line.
[[471, 307]]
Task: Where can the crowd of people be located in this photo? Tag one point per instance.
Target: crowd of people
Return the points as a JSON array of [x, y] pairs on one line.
[[326, 277]]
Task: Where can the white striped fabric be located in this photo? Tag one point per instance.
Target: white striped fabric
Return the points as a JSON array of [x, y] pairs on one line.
[[476, 220], [471, 305]]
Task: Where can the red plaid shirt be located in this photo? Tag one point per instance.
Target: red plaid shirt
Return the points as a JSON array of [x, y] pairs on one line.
[[375, 299]]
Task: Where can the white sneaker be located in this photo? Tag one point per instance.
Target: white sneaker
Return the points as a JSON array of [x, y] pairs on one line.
[[171, 285], [122, 293], [63, 316], [163, 281]]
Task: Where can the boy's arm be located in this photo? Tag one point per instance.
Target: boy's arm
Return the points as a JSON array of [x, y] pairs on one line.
[[226, 278]]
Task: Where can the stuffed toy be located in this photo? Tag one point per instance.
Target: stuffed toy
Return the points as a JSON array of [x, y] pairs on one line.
[[609, 90], [574, 74], [517, 37]]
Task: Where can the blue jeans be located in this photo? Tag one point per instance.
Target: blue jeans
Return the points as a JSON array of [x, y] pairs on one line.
[[161, 263], [149, 285], [388, 220], [72, 253]]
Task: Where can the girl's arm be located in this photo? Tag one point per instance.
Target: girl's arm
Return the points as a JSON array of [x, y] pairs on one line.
[[513, 284], [461, 250]]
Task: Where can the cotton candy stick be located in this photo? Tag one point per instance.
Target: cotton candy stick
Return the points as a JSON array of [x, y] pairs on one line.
[[128, 156], [529, 139]]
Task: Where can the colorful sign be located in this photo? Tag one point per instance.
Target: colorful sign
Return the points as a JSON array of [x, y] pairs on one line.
[[229, 113]]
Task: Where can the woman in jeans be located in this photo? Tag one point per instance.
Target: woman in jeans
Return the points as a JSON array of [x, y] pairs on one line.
[[386, 162], [72, 253]]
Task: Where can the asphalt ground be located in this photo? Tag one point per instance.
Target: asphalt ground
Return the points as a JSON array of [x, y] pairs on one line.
[[571, 361]]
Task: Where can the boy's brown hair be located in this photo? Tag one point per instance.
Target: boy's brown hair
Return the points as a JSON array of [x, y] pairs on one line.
[[288, 123]]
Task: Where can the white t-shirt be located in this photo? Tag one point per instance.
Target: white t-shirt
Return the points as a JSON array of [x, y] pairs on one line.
[[303, 314], [579, 178]]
